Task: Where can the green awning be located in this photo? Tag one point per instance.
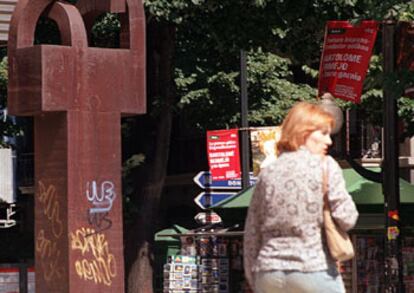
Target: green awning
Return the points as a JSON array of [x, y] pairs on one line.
[[363, 191], [239, 200], [175, 229]]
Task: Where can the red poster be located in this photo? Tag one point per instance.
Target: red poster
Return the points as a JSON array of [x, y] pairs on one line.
[[223, 154], [345, 58]]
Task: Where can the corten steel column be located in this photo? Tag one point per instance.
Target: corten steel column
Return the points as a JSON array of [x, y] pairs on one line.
[[77, 95], [390, 172]]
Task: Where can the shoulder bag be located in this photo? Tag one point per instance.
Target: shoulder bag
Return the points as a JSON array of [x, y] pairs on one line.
[[339, 243]]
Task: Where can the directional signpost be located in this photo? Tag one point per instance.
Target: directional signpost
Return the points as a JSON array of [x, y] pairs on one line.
[[203, 179], [216, 191], [209, 198]]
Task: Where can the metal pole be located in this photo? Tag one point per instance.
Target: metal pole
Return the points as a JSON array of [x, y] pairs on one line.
[[23, 279], [245, 151], [390, 183]]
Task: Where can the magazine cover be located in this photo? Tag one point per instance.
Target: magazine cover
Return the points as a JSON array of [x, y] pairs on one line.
[[263, 143]]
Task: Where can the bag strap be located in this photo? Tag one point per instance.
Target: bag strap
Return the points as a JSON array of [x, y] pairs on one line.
[[325, 189]]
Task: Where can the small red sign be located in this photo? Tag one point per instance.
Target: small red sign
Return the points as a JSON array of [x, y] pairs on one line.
[[223, 154], [208, 218], [345, 58]]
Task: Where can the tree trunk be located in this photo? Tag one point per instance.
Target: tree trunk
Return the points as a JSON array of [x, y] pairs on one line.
[[140, 238]]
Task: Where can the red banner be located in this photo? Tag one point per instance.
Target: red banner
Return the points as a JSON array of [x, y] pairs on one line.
[[345, 58], [223, 154]]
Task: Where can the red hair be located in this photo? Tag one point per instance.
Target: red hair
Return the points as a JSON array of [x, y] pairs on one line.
[[300, 122]]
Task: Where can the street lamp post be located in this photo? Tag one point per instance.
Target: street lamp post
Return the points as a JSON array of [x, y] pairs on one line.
[[327, 102], [244, 121], [389, 176], [390, 171]]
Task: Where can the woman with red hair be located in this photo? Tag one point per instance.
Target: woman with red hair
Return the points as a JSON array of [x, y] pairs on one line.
[[284, 245]]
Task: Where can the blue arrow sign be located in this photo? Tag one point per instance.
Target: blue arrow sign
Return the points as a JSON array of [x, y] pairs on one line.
[[203, 179], [207, 199]]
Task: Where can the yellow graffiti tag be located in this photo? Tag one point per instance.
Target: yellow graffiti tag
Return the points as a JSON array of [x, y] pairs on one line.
[[47, 196], [98, 264], [49, 254]]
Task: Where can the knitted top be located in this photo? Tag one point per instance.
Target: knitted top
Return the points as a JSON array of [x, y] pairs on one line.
[[284, 223]]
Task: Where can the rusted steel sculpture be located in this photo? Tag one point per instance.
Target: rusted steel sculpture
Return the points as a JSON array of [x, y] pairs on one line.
[[77, 95]]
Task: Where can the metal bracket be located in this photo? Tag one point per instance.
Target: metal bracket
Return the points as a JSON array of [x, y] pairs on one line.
[[370, 175]]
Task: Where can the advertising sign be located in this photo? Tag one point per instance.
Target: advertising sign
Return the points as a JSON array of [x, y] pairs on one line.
[[345, 58], [264, 142], [223, 154]]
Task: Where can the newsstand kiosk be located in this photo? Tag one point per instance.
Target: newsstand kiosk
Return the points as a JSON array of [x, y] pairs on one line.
[[210, 261], [216, 254], [364, 273]]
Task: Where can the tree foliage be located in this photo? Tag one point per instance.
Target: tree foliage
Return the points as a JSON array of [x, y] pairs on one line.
[[283, 40]]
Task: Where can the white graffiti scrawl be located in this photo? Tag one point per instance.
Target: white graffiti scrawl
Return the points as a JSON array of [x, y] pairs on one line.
[[102, 197]]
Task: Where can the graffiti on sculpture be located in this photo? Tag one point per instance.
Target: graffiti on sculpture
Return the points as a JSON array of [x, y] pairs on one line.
[[97, 263], [77, 95], [101, 196], [50, 206], [50, 254], [47, 246]]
